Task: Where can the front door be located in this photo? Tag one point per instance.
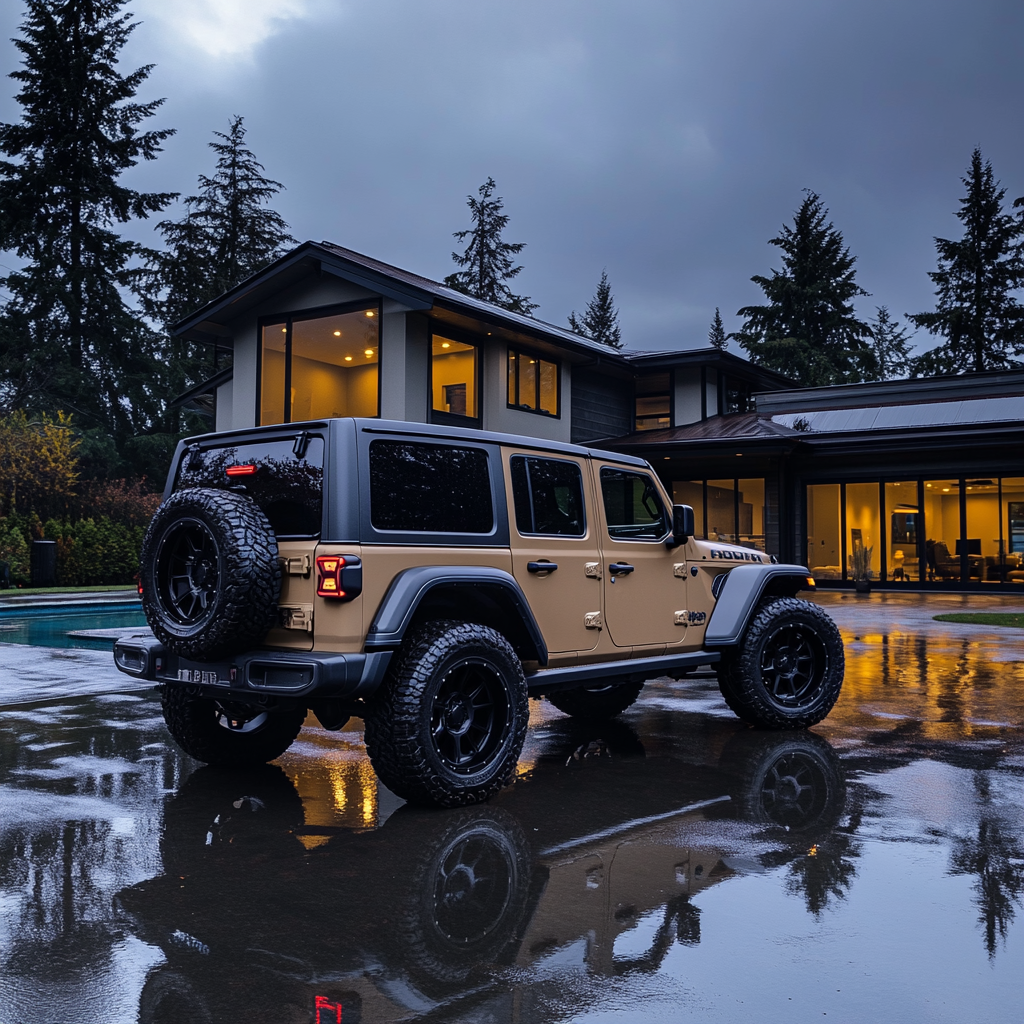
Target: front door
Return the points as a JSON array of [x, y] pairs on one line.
[[551, 498], [642, 591]]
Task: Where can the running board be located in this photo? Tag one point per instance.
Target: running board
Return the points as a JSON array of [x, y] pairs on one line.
[[634, 670]]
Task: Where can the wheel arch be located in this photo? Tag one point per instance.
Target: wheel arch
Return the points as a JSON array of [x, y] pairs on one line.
[[744, 587], [488, 596]]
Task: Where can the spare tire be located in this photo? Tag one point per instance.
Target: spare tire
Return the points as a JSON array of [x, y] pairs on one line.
[[210, 574]]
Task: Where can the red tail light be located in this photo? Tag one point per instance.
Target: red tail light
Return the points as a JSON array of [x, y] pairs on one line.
[[247, 470], [339, 576]]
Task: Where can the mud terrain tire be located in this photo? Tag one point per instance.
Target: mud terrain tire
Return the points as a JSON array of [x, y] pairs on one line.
[[449, 722], [788, 669], [210, 574], [225, 734], [596, 703]]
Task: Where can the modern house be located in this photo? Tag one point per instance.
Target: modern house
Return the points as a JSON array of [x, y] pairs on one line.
[[916, 482]]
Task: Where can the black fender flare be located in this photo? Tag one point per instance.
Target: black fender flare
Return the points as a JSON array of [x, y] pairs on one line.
[[409, 589], [743, 587]]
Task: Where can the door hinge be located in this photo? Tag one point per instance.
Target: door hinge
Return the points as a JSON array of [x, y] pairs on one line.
[[679, 569], [592, 570], [296, 616], [298, 565], [593, 620], [682, 618]]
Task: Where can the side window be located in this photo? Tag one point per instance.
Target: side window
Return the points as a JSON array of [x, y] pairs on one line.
[[429, 488], [548, 496], [632, 506]]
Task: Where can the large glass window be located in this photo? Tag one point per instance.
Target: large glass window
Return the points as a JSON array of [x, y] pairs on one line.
[[653, 401], [632, 506], [751, 514], [863, 534], [532, 383], [431, 488], [1012, 524], [453, 377], [548, 497], [981, 503], [722, 510], [942, 530], [903, 565], [320, 367], [824, 532]]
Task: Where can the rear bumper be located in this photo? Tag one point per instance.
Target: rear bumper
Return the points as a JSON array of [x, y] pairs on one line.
[[262, 671]]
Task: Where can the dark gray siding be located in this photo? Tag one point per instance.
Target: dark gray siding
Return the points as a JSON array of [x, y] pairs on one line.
[[602, 405]]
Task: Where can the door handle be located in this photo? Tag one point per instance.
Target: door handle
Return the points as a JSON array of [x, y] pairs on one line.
[[541, 566], [620, 568]]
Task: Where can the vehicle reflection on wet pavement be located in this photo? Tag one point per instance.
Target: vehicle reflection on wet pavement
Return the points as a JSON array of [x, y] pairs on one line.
[[668, 864]]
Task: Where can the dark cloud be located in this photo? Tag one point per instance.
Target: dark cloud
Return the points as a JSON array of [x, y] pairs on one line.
[[664, 141]]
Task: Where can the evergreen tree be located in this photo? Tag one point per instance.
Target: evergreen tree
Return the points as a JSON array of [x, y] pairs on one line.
[[890, 345], [975, 311], [600, 320], [227, 234], [487, 259], [808, 329], [69, 338], [716, 335]]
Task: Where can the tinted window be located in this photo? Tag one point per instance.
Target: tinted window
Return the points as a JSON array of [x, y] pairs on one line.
[[548, 496], [632, 505], [429, 488], [288, 488]]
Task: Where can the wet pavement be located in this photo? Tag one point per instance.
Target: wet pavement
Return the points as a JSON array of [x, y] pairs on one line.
[[671, 865]]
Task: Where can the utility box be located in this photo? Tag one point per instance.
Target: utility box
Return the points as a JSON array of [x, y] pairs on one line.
[[43, 563]]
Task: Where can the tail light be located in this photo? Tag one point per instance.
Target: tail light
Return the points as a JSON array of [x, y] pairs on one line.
[[339, 577], [248, 469]]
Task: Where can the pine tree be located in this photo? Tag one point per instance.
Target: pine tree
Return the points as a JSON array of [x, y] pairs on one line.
[[71, 341], [488, 259], [600, 320], [808, 329], [227, 234], [890, 345], [716, 335], [975, 311]]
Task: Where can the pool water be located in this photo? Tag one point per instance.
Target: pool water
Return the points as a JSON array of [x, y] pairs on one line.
[[50, 628]]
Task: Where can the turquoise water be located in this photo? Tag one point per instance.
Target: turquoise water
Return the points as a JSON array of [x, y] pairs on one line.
[[50, 628]]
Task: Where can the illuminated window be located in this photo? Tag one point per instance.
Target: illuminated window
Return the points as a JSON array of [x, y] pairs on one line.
[[453, 377], [319, 367], [653, 401], [532, 383]]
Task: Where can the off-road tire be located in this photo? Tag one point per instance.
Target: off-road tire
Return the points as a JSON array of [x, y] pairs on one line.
[[595, 703], [412, 723], [210, 574], [195, 724], [753, 676]]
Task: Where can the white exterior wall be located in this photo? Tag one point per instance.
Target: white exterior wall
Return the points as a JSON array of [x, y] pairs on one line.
[[687, 397], [711, 389]]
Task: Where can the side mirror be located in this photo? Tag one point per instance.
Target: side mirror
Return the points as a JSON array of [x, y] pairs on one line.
[[682, 525]]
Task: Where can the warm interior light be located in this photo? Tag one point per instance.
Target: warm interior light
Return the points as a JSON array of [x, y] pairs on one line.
[[284, 330], [368, 352], [337, 334], [348, 359], [444, 344], [247, 470], [945, 488], [369, 312]]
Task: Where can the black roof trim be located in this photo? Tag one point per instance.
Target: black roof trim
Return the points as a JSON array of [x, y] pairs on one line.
[[204, 387], [709, 356]]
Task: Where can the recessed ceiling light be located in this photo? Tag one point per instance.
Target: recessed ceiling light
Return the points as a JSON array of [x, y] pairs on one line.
[[284, 330], [444, 344], [337, 334], [369, 312], [368, 352], [348, 359]]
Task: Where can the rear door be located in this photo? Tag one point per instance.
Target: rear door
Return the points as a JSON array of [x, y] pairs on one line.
[[551, 498], [642, 591]]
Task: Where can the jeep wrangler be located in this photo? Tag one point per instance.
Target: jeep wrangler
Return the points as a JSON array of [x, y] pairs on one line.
[[430, 580]]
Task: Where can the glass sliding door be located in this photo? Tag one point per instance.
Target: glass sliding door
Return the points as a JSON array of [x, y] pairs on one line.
[[863, 533], [824, 532], [721, 523], [942, 530], [751, 514], [691, 492], [981, 500], [1011, 503], [903, 564]]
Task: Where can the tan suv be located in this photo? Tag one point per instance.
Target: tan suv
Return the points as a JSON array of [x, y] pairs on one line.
[[430, 580]]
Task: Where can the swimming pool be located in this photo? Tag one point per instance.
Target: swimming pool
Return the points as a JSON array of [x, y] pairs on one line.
[[49, 627]]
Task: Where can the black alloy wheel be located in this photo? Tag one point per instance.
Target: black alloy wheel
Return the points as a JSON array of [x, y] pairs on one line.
[[469, 714], [787, 670], [792, 660], [188, 571]]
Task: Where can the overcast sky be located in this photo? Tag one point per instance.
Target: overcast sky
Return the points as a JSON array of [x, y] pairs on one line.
[[664, 140]]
